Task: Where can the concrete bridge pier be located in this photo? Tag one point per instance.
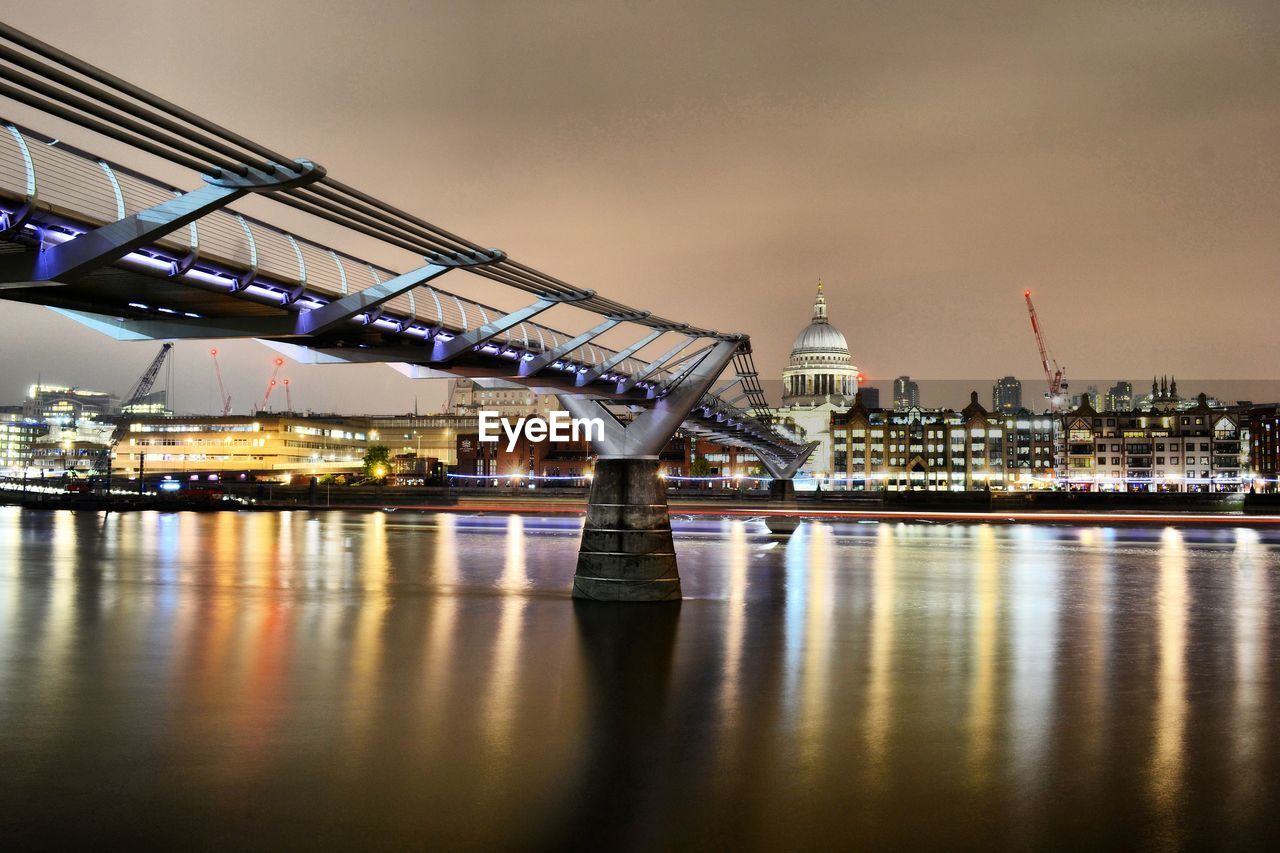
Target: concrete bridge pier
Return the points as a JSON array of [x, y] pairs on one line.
[[627, 553], [782, 491]]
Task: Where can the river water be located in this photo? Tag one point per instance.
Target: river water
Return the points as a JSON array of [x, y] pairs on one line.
[[286, 680]]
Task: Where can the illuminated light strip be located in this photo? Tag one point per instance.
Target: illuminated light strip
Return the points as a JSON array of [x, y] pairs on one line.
[[208, 277], [266, 291], [520, 476], [716, 478], [147, 261]]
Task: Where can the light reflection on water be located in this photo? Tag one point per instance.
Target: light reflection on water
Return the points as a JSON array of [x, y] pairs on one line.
[[335, 678]]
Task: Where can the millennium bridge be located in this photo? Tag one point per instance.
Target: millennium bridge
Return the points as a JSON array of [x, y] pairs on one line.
[[137, 259]]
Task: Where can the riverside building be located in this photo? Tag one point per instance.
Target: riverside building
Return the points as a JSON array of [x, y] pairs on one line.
[[1176, 448], [423, 436], [468, 397], [907, 448], [17, 440], [265, 446], [60, 405], [1264, 447]]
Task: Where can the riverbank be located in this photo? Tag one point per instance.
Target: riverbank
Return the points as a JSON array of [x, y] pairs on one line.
[[1080, 507]]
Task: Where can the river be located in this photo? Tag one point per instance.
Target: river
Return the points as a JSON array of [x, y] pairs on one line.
[[297, 679]]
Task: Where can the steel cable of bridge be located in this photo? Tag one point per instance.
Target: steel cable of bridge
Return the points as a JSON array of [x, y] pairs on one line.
[[378, 224], [605, 305], [504, 276], [74, 83], [342, 215], [397, 212], [416, 243], [88, 122], [213, 163], [336, 214], [436, 236], [96, 74], [381, 228], [346, 222]]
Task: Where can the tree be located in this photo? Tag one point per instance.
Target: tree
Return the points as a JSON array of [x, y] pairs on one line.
[[377, 462], [699, 467]]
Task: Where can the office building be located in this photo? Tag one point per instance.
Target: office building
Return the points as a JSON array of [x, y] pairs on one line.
[[1119, 397], [267, 446], [905, 393], [17, 438], [59, 405], [1006, 395]]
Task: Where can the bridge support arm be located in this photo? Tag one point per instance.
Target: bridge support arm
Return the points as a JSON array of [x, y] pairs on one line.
[[610, 363], [781, 469], [782, 489], [339, 311], [627, 553], [550, 357], [657, 364], [79, 256]]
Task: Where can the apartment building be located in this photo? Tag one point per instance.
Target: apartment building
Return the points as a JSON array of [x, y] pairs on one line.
[[1201, 448]]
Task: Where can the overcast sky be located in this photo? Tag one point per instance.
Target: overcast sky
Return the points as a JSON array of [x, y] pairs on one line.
[[711, 160]]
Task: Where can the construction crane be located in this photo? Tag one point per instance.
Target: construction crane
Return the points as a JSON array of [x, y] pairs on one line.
[[288, 398], [271, 384], [140, 390], [222, 389], [1054, 375], [148, 379]]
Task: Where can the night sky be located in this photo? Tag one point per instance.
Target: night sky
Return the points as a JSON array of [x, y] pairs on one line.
[[711, 160]]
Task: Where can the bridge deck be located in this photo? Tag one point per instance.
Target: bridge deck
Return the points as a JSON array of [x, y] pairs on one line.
[[71, 192]]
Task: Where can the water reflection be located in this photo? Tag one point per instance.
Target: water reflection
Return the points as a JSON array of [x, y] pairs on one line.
[[880, 689], [417, 677], [1253, 617], [1171, 709], [982, 708]]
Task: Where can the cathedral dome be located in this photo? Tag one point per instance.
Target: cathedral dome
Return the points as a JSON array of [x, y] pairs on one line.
[[820, 368], [820, 336]]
